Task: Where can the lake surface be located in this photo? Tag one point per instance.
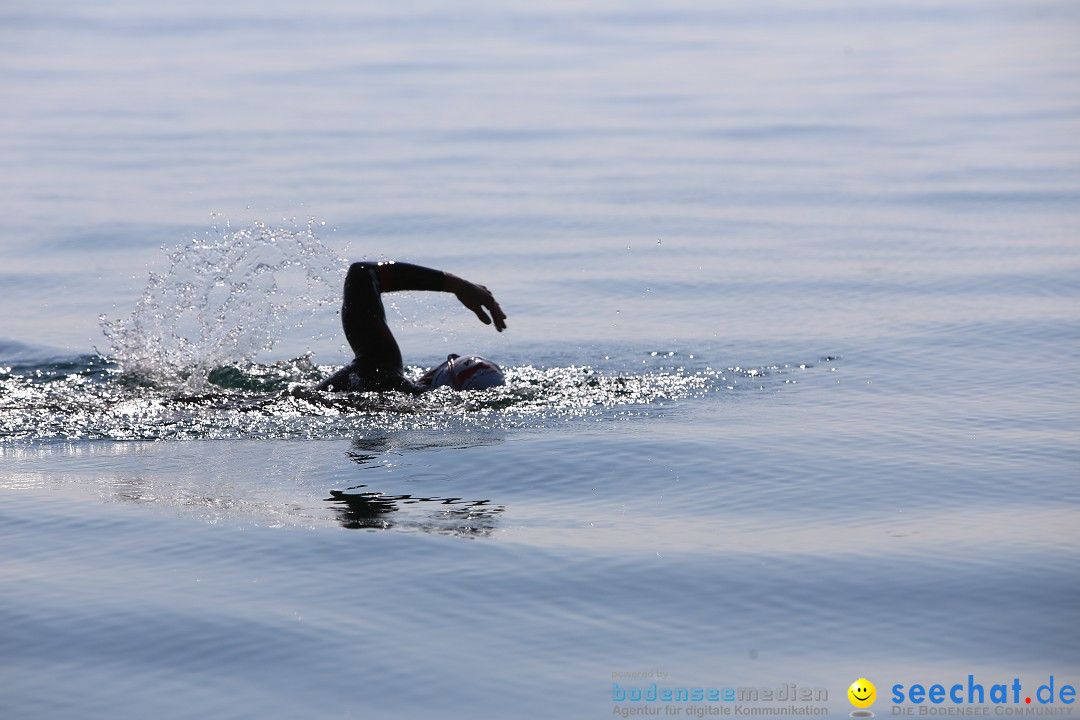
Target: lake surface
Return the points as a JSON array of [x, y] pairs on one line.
[[794, 326]]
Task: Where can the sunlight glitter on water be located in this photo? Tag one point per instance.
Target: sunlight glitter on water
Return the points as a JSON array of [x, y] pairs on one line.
[[91, 398]]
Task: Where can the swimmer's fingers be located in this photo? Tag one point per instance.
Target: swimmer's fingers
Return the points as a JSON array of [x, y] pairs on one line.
[[478, 299], [486, 301], [482, 315], [497, 315]]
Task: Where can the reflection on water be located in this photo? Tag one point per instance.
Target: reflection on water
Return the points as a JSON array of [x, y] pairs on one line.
[[363, 507], [409, 480]]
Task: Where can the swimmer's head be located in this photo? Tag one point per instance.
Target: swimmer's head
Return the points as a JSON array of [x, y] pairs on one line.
[[468, 372]]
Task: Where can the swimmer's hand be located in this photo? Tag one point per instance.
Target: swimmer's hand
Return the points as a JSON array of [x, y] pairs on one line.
[[478, 299]]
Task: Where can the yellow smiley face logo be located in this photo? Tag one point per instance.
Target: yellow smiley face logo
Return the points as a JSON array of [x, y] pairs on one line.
[[862, 693]]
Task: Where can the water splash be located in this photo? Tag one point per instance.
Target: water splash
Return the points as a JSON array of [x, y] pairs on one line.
[[224, 300]]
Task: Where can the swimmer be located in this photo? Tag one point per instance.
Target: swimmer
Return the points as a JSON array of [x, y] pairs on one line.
[[378, 365]]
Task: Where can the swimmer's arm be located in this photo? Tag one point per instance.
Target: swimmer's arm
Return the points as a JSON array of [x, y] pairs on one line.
[[395, 276]]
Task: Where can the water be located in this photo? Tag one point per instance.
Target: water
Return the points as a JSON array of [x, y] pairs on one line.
[[792, 349]]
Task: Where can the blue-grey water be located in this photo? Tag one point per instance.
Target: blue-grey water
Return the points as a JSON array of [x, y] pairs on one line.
[[793, 345]]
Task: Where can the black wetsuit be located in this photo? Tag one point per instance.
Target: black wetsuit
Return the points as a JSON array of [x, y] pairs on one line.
[[378, 364]]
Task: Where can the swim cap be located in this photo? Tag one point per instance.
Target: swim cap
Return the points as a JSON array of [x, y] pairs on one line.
[[470, 372]]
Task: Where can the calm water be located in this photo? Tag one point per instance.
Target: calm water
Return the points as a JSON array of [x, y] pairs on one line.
[[794, 333]]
